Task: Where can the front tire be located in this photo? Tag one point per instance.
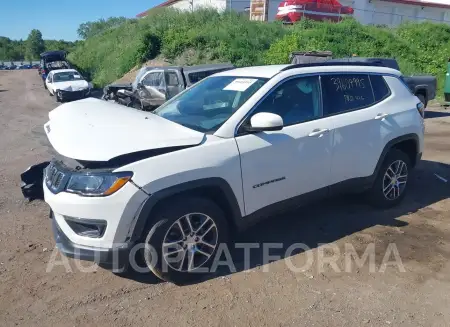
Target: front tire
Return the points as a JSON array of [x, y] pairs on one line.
[[183, 237], [392, 182]]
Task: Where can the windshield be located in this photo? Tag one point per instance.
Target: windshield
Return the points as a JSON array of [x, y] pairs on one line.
[[209, 103], [67, 76]]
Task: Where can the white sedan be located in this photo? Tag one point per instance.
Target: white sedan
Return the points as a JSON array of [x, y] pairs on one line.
[[67, 84]]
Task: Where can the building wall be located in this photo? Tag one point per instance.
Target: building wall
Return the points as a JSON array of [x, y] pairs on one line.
[[219, 5], [366, 11], [392, 14]]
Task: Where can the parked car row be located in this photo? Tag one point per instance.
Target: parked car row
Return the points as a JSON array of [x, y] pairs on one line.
[[14, 67]]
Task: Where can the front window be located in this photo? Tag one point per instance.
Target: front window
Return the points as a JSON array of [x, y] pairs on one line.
[[208, 104], [67, 76], [296, 100], [155, 79]]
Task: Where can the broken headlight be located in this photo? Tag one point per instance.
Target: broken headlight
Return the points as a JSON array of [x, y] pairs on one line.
[[100, 184]]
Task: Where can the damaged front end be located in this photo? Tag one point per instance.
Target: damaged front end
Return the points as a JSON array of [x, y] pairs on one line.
[[32, 181]]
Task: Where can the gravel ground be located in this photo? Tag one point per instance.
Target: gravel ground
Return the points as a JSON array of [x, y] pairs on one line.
[[31, 295]]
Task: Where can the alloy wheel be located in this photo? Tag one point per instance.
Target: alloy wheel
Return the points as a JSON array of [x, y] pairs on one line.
[[190, 242], [394, 180]]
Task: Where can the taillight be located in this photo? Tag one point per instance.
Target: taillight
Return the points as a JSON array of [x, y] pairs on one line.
[[421, 108]]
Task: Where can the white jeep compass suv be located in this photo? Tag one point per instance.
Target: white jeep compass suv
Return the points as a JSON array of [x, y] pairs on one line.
[[236, 147]]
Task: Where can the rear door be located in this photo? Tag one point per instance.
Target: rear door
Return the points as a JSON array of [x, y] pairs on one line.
[[360, 123], [153, 92]]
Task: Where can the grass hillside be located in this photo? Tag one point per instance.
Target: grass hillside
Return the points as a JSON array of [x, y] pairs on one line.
[[203, 36], [206, 36]]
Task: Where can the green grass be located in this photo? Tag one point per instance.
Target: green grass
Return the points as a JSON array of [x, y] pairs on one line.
[[211, 36], [420, 48], [206, 36]]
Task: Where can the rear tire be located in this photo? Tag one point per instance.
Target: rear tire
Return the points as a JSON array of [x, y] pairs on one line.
[[194, 227], [392, 182]]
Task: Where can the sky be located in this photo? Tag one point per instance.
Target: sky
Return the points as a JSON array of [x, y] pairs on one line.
[[59, 19]]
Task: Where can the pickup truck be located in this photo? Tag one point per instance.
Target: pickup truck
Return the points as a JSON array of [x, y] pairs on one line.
[[422, 86], [155, 85]]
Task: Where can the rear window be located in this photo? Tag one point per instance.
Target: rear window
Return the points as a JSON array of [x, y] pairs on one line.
[[380, 88], [346, 92]]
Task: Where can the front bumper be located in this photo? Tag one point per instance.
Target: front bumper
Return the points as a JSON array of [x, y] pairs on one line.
[[115, 258], [117, 211], [32, 180], [72, 95]]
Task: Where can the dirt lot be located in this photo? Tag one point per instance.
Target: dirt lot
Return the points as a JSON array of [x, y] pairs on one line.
[[419, 228]]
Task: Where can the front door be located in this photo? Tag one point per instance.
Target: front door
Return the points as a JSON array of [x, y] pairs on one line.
[[295, 161], [174, 83], [153, 92]]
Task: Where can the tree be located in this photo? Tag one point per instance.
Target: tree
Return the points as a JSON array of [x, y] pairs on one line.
[[90, 29], [34, 45]]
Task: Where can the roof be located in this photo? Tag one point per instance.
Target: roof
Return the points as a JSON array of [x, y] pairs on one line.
[[272, 70], [255, 71], [206, 67], [64, 71], [424, 3]]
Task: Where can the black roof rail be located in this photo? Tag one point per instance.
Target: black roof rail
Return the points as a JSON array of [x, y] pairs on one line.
[[333, 63]]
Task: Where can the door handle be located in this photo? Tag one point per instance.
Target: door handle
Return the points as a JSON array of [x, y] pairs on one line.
[[381, 116], [318, 132]]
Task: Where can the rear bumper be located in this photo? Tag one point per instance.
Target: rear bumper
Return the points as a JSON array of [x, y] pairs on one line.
[[113, 258]]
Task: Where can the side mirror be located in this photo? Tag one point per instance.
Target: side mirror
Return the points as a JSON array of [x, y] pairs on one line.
[[265, 121]]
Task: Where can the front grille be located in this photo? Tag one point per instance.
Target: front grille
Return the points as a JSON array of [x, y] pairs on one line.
[[69, 95], [447, 97], [55, 177]]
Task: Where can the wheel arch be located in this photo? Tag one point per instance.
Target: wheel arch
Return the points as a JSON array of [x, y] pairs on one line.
[[408, 143], [215, 188]]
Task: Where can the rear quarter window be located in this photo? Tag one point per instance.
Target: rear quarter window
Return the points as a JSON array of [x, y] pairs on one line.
[[380, 88], [346, 92]]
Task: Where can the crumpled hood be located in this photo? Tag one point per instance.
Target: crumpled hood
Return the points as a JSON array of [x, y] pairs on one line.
[[71, 85], [97, 130]]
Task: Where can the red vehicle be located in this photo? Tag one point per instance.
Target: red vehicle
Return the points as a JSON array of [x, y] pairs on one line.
[[290, 11]]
